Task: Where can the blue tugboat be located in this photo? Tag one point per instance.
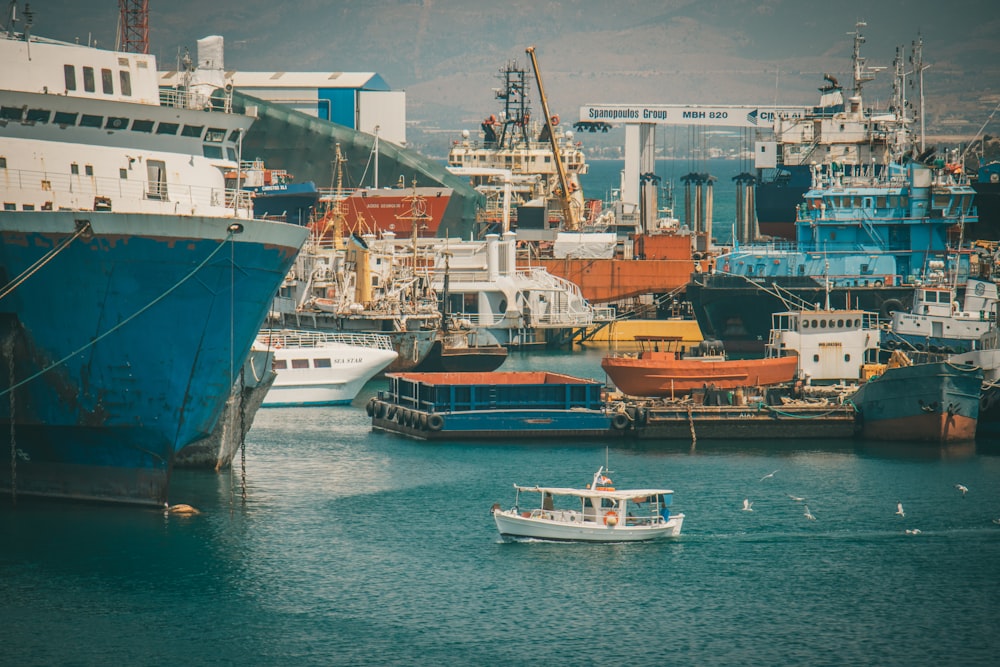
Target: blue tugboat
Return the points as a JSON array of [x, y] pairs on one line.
[[134, 282], [869, 240]]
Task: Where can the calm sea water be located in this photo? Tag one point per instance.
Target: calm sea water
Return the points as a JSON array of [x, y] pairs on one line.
[[357, 548]]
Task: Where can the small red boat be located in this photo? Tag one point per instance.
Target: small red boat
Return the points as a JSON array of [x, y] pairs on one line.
[[661, 368]]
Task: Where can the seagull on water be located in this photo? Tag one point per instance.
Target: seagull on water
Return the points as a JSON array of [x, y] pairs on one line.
[[962, 488], [747, 505], [797, 499], [808, 514], [912, 531], [770, 474], [899, 509], [996, 521]]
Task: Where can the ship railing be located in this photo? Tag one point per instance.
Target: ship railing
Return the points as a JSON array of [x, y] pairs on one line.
[[278, 338], [75, 192], [186, 98]]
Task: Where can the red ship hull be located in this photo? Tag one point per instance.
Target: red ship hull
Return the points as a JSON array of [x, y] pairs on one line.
[[395, 210]]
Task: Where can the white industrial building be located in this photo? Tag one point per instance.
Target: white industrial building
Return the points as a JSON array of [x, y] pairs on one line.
[[361, 101]]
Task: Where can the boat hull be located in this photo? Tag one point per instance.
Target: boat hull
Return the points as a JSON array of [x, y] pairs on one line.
[[570, 527], [661, 374], [737, 310], [933, 402], [475, 359], [120, 349], [747, 422], [350, 368], [381, 210]]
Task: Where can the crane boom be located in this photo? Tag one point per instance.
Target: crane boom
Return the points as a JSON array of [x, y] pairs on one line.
[[569, 214]]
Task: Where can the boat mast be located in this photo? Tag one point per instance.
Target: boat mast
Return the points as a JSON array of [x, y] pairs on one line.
[[917, 60], [569, 215]]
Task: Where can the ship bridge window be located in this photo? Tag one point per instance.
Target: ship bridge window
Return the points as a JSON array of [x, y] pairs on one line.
[[9, 206], [64, 118], [107, 82], [116, 123], [142, 125], [88, 79], [38, 115], [192, 130], [69, 71], [215, 135], [11, 113], [88, 120], [88, 169], [125, 79], [156, 171], [167, 128], [231, 152], [214, 152]]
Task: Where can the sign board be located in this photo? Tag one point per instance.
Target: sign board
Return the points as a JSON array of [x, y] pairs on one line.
[[688, 114]]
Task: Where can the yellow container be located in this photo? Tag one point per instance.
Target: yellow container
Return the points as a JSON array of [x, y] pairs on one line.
[[625, 331]]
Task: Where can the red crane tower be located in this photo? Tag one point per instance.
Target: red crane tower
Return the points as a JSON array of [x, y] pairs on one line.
[[133, 26]]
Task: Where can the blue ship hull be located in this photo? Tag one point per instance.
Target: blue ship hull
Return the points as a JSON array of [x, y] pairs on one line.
[[123, 347], [932, 402]]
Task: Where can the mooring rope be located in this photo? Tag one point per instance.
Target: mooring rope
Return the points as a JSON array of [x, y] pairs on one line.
[[43, 260]]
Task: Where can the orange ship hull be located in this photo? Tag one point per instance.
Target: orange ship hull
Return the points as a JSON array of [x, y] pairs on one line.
[[660, 374], [394, 210], [663, 263]]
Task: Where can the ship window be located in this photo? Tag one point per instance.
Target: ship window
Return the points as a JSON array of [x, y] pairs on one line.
[[87, 120], [805, 324], [9, 206], [125, 78], [279, 365], [70, 72], [192, 130], [167, 128], [321, 363], [840, 323], [11, 113], [116, 123], [142, 125], [74, 169], [88, 169], [27, 207], [64, 118], [215, 135], [300, 363], [212, 151], [847, 357], [815, 324], [802, 269], [816, 358], [156, 171], [88, 79], [107, 82], [234, 136], [3, 162], [231, 152], [38, 115], [123, 173]]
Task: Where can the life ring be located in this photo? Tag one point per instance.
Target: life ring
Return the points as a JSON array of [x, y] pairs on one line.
[[611, 518], [620, 421], [435, 422]]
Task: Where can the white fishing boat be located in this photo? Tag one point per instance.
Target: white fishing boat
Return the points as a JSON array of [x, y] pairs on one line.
[[597, 513], [322, 368]]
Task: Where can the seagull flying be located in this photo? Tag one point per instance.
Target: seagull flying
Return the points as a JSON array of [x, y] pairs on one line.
[[770, 474], [808, 514], [962, 488], [899, 510], [747, 505], [797, 499]]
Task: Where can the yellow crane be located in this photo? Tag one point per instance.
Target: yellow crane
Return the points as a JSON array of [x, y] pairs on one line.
[[570, 221]]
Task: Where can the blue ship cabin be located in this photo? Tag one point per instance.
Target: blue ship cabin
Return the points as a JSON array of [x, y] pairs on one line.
[[513, 390]]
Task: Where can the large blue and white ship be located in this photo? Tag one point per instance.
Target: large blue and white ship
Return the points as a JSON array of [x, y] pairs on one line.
[[867, 239], [133, 282]]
